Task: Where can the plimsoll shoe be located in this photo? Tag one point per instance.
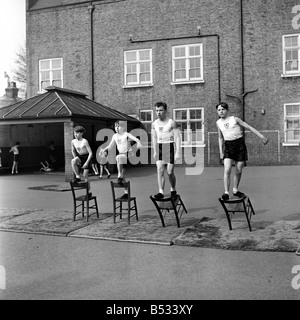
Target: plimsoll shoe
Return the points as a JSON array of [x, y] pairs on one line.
[[159, 196], [225, 196], [239, 194]]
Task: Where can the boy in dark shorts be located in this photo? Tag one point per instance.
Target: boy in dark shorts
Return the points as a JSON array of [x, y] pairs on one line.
[[167, 143], [82, 154], [232, 147]]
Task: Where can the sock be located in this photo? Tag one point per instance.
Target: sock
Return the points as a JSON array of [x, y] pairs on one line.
[[226, 192], [234, 190], [173, 189], [161, 191]]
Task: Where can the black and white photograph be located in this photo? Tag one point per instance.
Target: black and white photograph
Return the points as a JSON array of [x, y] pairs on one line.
[[150, 153]]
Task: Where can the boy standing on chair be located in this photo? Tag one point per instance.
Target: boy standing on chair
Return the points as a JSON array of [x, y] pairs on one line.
[[167, 142], [122, 140], [82, 154], [232, 147]]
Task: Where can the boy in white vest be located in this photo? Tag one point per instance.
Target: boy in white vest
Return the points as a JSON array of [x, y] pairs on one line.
[[232, 147]]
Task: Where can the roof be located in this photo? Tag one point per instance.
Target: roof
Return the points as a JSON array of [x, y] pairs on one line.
[[59, 103]]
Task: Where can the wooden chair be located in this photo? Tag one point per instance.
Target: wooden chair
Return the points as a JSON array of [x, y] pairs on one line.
[[82, 203], [232, 206], [168, 204], [118, 202]]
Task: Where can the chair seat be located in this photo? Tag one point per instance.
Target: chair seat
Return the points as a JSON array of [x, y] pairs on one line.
[[83, 198], [125, 200]]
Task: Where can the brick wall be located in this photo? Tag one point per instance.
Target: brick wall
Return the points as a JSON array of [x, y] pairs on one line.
[[65, 32]]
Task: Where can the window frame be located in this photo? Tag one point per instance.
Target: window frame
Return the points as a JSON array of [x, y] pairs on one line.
[[286, 141], [51, 69], [284, 50], [148, 122], [187, 58], [138, 62], [189, 142]]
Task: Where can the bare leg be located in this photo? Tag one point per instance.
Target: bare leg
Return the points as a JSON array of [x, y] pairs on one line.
[[75, 167], [227, 173], [101, 171], [172, 177], [160, 176], [238, 174], [107, 171]]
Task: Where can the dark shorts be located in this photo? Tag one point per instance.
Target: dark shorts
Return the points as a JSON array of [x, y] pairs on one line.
[[16, 157], [236, 150], [166, 152], [83, 159]]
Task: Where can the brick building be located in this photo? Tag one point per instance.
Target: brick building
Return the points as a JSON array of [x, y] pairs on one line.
[[190, 54]]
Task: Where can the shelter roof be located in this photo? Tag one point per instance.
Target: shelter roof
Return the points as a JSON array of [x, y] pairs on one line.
[[59, 103]]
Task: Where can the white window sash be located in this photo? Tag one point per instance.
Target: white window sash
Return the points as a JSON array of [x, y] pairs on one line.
[[286, 119], [51, 70], [284, 51], [138, 72], [187, 59], [187, 135]]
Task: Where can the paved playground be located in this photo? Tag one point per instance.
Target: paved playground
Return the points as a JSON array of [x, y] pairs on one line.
[[51, 267]]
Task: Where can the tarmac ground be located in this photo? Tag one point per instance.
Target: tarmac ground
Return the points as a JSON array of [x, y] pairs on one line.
[[44, 267]]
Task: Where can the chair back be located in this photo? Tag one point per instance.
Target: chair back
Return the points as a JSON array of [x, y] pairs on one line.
[[75, 186], [116, 185]]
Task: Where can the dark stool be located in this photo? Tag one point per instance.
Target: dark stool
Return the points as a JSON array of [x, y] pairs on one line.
[[232, 206], [168, 204]]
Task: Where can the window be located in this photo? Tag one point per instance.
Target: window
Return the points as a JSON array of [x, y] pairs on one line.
[[291, 51], [138, 67], [50, 73], [187, 63], [292, 123], [190, 122]]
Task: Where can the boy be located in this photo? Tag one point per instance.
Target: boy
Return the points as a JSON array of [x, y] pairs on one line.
[[15, 150], [232, 147], [121, 139], [167, 141], [82, 155], [103, 163]]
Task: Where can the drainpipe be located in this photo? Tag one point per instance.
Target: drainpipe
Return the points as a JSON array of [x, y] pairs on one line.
[[91, 8], [244, 94]]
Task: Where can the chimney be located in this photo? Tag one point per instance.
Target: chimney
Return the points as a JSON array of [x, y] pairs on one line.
[[12, 91]]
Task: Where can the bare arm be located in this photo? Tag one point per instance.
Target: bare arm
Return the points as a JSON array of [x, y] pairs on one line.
[[221, 143], [154, 140], [177, 139], [74, 154], [132, 137], [247, 126], [112, 142]]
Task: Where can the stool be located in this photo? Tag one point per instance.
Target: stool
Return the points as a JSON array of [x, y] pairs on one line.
[[168, 204], [232, 206]]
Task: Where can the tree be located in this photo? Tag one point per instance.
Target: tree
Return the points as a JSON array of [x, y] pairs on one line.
[[20, 70]]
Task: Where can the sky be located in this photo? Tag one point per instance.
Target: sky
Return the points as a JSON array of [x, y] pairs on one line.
[[12, 36]]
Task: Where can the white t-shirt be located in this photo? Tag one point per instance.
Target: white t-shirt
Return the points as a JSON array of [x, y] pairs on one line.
[[230, 129], [165, 133]]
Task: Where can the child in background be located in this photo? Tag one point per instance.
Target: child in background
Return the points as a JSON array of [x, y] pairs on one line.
[[103, 163], [15, 150], [0, 158]]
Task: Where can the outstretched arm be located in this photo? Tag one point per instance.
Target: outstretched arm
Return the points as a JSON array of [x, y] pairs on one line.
[[138, 142], [247, 126], [112, 142]]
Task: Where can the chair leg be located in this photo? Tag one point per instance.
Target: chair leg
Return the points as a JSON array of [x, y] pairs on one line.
[[87, 210], [74, 213], [136, 211], [128, 210], [96, 205], [82, 208]]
